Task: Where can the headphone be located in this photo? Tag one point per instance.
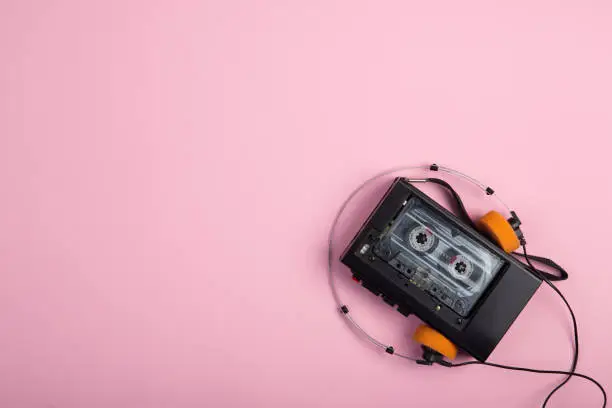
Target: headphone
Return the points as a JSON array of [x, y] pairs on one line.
[[504, 231]]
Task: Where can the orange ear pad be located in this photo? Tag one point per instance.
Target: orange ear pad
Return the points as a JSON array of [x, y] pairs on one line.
[[429, 337], [499, 229]]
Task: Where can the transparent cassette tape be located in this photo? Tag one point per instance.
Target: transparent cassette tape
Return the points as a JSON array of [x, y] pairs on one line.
[[437, 257]]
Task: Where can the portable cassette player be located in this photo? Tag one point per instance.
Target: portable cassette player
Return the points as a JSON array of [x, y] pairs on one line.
[[424, 260]]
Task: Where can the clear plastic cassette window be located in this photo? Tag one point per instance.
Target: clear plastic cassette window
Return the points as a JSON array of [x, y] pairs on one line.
[[437, 257]]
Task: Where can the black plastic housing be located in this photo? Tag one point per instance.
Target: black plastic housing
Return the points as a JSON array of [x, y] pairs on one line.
[[478, 333]]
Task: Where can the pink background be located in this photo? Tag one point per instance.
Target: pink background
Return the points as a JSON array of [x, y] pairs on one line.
[[169, 171]]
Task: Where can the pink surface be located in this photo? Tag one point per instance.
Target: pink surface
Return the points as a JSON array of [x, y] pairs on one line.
[[169, 171]]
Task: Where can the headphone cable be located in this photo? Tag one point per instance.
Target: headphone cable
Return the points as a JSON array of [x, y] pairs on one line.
[[533, 370], [574, 323], [572, 372]]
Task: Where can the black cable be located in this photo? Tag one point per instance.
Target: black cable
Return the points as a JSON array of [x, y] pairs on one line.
[[572, 372], [460, 207], [532, 370], [548, 262], [574, 324]]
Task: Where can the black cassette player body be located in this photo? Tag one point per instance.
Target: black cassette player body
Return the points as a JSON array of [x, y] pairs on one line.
[[424, 260]]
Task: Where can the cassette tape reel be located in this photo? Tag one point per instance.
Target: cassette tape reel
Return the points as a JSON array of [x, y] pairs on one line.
[[437, 257]]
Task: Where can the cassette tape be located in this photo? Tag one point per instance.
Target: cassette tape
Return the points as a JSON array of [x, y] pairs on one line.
[[436, 257]]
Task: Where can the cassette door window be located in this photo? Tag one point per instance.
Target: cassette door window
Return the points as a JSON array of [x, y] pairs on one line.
[[437, 257]]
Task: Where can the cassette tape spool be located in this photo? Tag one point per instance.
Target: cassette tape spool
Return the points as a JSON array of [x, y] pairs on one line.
[[437, 257]]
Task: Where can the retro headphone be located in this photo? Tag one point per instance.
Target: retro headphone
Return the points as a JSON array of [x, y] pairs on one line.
[[505, 232]]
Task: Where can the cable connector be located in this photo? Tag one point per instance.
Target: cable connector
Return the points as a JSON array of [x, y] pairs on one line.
[[515, 223]]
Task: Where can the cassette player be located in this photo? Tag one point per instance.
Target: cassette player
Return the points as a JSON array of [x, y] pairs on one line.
[[424, 260]]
